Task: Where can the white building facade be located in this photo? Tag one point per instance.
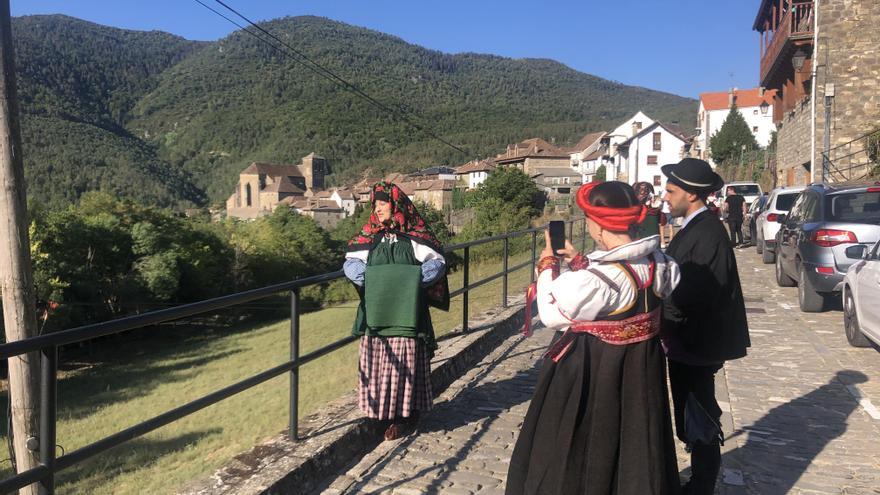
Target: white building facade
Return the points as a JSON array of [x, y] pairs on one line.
[[755, 105], [639, 158]]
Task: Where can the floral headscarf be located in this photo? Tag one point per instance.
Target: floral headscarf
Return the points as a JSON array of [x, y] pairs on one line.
[[406, 221]]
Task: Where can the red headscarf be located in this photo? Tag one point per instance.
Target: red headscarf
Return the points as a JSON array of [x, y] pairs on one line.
[[614, 219]]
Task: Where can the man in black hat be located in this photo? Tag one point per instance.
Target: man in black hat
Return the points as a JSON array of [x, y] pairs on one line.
[[704, 321]]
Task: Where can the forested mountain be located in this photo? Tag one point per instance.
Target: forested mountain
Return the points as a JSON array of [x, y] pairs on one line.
[[188, 116]]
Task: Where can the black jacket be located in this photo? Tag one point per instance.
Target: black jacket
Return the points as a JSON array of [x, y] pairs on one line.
[[706, 312]]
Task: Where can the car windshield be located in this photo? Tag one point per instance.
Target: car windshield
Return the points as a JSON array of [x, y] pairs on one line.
[[746, 189], [784, 201], [853, 206]]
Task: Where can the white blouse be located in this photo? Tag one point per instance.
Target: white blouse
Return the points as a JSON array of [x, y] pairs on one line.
[[583, 295]]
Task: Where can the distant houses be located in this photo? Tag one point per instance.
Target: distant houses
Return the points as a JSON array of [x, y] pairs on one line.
[[633, 151]]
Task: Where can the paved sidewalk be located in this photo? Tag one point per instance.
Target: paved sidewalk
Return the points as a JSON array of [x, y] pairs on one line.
[[800, 412]]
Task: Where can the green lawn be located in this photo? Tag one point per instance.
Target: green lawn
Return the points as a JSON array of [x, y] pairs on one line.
[[146, 377]]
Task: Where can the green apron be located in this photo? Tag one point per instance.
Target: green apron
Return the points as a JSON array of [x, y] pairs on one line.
[[394, 295], [649, 227]]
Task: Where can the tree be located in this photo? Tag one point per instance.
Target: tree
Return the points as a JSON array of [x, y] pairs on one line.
[[601, 173], [512, 187], [728, 142]]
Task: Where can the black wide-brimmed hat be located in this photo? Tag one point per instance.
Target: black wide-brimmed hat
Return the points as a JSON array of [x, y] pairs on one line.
[[693, 175]]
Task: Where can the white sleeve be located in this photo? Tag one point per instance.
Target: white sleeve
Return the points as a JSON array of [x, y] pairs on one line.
[[424, 253], [574, 296], [360, 254]]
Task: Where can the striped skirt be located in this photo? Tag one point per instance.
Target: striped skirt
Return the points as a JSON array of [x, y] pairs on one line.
[[394, 377]]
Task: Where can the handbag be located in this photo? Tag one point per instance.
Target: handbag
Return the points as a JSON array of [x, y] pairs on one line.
[[699, 426]]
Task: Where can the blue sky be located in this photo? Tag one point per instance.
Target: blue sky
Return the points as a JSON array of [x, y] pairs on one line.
[[681, 46]]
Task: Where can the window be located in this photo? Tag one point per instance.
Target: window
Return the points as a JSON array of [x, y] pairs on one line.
[[657, 141], [854, 206], [652, 159], [565, 180], [247, 194], [755, 129], [656, 180], [564, 190], [755, 112]]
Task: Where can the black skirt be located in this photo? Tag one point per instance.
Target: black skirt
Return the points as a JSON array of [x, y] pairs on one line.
[[599, 423]]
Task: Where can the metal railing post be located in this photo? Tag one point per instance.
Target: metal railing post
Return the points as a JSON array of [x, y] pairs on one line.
[[293, 430], [504, 267], [465, 294], [48, 412], [534, 256], [584, 235]]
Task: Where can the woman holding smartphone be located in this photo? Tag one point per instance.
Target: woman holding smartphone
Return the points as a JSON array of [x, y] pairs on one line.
[[599, 421]]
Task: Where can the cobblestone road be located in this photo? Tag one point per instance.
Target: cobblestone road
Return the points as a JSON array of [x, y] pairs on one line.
[[801, 412]]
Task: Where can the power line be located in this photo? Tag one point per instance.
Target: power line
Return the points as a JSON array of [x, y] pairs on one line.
[[324, 72]]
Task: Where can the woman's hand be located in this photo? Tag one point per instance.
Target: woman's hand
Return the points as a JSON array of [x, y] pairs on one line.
[[569, 252]]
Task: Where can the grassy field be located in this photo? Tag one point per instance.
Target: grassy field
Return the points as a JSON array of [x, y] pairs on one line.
[[146, 377]]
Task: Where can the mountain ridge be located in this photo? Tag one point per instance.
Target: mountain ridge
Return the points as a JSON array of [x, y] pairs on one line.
[[203, 110]]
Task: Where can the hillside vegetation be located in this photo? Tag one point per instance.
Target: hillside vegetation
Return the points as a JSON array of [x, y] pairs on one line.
[[168, 121]]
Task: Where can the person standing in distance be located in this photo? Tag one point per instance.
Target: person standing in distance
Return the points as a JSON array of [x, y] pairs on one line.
[[704, 320], [735, 206]]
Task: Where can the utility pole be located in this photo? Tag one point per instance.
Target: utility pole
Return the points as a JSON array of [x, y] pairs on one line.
[[16, 280]]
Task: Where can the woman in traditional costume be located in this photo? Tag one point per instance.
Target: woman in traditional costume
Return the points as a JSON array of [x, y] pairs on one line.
[[599, 422], [398, 266], [654, 217]]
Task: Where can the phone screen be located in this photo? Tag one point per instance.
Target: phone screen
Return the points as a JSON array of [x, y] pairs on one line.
[[557, 235]]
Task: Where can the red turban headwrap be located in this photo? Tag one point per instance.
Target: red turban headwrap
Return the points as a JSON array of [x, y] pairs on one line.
[[614, 219]]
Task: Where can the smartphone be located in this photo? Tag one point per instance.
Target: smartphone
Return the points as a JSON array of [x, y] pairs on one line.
[[557, 235]]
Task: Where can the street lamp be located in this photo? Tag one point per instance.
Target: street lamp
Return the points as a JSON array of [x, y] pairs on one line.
[[765, 107], [798, 59]]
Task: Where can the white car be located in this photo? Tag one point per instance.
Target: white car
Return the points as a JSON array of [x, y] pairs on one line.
[[766, 226], [861, 292], [750, 191]]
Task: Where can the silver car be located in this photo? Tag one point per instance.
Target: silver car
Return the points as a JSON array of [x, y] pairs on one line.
[[861, 293], [812, 242]]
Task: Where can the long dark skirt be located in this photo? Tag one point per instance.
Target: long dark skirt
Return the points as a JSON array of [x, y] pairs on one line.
[[599, 423]]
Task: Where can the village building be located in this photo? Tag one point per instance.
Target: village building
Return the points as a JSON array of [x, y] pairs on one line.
[[612, 140], [639, 158], [262, 187], [586, 155], [324, 211], [755, 105], [475, 172], [558, 184], [824, 64], [532, 154]]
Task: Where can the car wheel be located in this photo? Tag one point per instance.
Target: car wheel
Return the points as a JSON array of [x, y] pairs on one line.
[[810, 301], [767, 256], [782, 279], [759, 244], [854, 334]]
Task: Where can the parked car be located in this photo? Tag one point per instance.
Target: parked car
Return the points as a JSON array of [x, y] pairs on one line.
[[861, 293], [812, 242], [750, 191], [779, 203], [750, 221]]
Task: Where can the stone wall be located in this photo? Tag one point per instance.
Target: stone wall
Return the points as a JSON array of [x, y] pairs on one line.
[[848, 56], [849, 48], [793, 147]]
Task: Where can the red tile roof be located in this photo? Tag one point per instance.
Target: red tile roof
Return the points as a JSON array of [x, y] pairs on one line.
[[476, 166], [744, 98]]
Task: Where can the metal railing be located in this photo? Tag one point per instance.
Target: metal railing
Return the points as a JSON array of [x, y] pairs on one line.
[[47, 346], [853, 160]]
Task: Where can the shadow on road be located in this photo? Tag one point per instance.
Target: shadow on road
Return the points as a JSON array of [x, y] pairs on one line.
[[781, 445]]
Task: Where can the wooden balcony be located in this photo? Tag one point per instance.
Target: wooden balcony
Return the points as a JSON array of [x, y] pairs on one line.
[[779, 39]]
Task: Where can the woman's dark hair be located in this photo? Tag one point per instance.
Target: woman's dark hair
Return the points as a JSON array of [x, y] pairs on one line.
[[613, 194]]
